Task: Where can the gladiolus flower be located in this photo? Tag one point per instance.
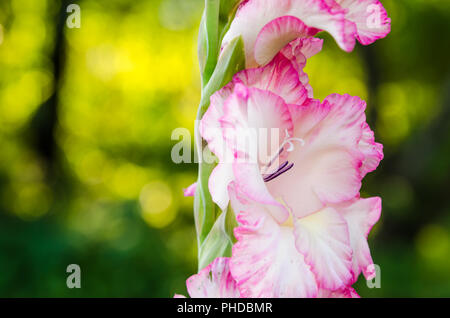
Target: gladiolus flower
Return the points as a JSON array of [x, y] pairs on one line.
[[266, 26], [290, 166], [302, 228], [323, 151], [320, 255], [284, 77], [214, 281]]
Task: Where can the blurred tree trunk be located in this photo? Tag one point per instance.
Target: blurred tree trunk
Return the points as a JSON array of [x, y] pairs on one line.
[[373, 81], [43, 124], [413, 160]]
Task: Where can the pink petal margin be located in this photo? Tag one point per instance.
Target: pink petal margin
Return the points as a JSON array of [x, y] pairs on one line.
[[190, 191], [275, 34], [214, 281]]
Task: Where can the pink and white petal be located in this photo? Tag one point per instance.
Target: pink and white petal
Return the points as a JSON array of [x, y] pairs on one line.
[[301, 49], [330, 162], [373, 151], [295, 189], [250, 18], [279, 77], [263, 109], [370, 17], [246, 112], [178, 296], [324, 15], [275, 34], [336, 176], [190, 191], [346, 292], [327, 167], [214, 281], [298, 51], [361, 215], [332, 144], [351, 292], [253, 15], [308, 116], [323, 239], [240, 203], [310, 46], [265, 262], [250, 183], [304, 79], [344, 124], [317, 178], [218, 183], [210, 128], [250, 113]]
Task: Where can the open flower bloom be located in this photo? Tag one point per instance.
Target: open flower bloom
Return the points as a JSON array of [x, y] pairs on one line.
[[266, 26], [315, 256], [291, 166], [319, 155], [284, 77], [214, 281], [303, 226]]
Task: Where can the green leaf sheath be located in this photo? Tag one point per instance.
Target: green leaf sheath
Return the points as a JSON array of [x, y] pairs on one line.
[[215, 235], [219, 241], [215, 22], [227, 12], [204, 207], [231, 61], [202, 48], [210, 28]]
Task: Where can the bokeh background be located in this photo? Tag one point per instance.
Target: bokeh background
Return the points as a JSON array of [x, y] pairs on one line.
[[86, 117]]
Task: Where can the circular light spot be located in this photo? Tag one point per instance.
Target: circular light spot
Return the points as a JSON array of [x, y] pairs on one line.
[[156, 201], [32, 200], [433, 243], [127, 180]]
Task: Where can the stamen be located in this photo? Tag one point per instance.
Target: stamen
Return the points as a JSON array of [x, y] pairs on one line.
[[268, 175], [278, 169], [285, 166], [289, 140], [282, 169], [267, 166]]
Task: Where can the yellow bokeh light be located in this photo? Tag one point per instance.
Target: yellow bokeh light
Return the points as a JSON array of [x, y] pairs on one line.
[[30, 201], [433, 243], [1, 34], [15, 106], [404, 106], [90, 166], [334, 71], [29, 6], [127, 180], [156, 204]]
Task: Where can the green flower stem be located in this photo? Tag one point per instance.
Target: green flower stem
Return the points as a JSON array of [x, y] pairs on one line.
[[231, 61], [214, 234], [211, 27]]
